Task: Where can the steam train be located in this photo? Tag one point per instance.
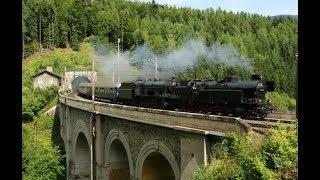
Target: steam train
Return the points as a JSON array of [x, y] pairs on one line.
[[229, 96]]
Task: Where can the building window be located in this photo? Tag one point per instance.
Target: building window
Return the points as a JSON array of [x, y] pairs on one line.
[[40, 80]]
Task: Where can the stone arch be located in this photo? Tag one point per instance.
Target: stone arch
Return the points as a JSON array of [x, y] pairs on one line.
[[156, 146], [75, 82], [117, 136], [81, 143], [81, 127]]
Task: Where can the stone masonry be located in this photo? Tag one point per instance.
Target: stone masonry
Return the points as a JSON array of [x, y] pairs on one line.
[[101, 146]]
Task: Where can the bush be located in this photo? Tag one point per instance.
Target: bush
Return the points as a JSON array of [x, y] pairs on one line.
[[46, 94], [281, 101], [38, 160], [279, 150], [221, 169], [239, 157], [241, 149], [34, 101], [27, 113]]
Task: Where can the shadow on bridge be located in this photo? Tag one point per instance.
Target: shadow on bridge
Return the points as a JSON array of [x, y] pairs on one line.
[[157, 167], [82, 158], [118, 165]]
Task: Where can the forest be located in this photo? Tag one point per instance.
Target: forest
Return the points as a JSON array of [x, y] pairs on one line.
[[270, 42], [57, 32]]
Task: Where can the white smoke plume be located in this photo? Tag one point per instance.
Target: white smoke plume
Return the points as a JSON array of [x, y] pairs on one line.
[[143, 62], [112, 69]]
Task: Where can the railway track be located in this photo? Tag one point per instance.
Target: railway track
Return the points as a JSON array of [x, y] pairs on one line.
[[283, 115], [260, 126], [263, 126]]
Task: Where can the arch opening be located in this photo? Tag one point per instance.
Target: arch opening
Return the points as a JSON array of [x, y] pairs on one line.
[[157, 167], [118, 165], [82, 158], [76, 82]]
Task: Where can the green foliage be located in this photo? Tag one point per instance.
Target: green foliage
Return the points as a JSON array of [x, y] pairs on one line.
[[49, 105], [221, 169], [34, 101], [38, 160], [157, 43], [58, 59], [270, 42], [281, 101], [57, 141], [42, 142], [43, 154], [279, 149], [240, 157], [45, 122], [31, 48]]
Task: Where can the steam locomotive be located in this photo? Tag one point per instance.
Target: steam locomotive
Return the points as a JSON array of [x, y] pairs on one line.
[[229, 96]]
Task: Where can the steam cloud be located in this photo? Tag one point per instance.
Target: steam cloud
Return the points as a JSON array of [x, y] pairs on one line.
[[141, 63]]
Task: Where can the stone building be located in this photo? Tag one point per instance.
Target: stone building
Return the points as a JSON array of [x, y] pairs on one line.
[[46, 78]]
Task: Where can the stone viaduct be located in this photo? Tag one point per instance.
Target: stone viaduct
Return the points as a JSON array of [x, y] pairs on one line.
[[108, 141]]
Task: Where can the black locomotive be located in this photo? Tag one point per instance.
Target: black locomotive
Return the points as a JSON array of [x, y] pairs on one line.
[[226, 97]]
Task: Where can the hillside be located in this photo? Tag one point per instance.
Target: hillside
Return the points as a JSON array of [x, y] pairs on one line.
[[43, 148], [271, 44]]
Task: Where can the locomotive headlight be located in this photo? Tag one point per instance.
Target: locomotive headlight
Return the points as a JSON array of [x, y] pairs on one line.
[[260, 86]]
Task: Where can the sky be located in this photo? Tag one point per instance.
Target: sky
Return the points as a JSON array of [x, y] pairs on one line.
[[264, 7]]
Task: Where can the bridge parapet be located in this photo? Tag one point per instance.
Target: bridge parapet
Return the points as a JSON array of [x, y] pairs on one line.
[[192, 122]]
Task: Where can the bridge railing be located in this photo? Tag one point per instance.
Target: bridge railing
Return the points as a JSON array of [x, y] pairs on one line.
[[199, 123]]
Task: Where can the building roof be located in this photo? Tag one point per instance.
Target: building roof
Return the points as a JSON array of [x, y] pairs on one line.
[[45, 71]]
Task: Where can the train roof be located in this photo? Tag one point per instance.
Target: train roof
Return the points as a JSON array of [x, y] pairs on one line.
[[97, 86], [84, 84], [242, 84], [160, 82]]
